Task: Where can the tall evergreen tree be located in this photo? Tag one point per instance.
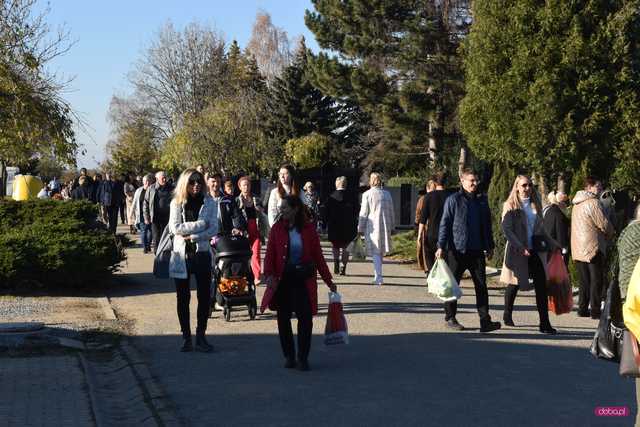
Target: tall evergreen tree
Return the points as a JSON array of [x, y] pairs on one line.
[[398, 60], [551, 86], [295, 108]]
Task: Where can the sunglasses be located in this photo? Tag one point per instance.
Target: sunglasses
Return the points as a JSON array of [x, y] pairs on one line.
[[195, 181], [525, 185]]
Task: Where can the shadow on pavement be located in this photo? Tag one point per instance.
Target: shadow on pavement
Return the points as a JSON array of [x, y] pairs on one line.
[[434, 379]]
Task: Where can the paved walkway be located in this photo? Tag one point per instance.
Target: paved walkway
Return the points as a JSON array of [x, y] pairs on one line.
[[401, 368], [44, 391]]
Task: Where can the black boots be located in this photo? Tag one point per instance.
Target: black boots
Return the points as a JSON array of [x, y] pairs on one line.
[[202, 345], [489, 326], [336, 267], [509, 299], [343, 270], [187, 345]]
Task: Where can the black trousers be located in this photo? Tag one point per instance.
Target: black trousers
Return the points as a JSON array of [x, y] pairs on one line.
[[200, 267], [157, 227], [123, 213], [292, 296], [112, 218], [539, 277], [591, 283], [474, 261], [429, 256]]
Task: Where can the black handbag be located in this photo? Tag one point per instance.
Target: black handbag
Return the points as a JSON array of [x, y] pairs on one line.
[[607, 342], [540, 244], [163, 255], [630, 360]]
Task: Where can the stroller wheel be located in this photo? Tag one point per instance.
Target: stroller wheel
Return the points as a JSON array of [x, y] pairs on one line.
[[227, 314]]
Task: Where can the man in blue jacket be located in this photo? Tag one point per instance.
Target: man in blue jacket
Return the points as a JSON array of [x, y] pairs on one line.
[[465, 234]]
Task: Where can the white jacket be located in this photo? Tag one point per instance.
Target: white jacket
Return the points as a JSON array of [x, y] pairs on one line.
[[376, 220], [137, 213], [275, 202], [204, 229]]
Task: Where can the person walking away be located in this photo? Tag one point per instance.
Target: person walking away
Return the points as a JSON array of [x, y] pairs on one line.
[[286, 185], [376, 222], [342, 223], [311, 201], [138, 215], [590, 229], [556, 222], [109, 198], [156, 207], [129, 191], [429, 221], [253, 213], [465, 233], [291, 263], [83, 190], [193, 220], [526, 251]]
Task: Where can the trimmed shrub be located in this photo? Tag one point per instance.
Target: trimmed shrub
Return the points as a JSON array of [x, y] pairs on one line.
[[55, 244]]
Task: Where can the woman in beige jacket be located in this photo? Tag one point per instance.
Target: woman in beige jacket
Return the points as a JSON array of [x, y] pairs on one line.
[[525, 257], [590, 230]]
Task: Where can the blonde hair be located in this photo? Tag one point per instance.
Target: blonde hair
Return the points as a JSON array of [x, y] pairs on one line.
[[341, 182], [181, 193], [375, 180], [552, 198], [513, 201]]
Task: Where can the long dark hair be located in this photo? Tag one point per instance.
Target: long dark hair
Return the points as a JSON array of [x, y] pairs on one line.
[[294, 202], [295, 191]]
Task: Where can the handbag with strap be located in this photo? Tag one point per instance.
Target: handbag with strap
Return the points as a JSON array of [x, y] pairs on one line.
[[630, 360], [608, 340], [163, 255]]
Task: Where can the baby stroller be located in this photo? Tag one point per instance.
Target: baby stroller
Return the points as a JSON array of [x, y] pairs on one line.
[[232, 277]]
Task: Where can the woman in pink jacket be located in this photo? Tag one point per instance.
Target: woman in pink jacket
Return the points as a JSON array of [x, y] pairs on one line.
[[293, 257]]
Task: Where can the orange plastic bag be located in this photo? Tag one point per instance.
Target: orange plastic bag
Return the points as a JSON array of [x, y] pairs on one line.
[[233, 286], [559, 285]]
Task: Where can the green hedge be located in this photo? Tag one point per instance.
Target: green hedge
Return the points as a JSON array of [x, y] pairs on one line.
[[55, 244]]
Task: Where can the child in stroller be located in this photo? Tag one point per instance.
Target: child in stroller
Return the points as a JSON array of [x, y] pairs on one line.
[[232, 278]]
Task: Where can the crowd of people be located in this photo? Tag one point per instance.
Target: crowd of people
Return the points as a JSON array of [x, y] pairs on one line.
[[455, 226]]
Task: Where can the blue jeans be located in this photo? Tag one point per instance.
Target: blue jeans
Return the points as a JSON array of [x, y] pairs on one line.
[[145, 234]]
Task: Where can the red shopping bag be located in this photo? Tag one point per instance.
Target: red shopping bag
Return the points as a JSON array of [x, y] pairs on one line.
[[336, 332], [267, 298], [559, 285]]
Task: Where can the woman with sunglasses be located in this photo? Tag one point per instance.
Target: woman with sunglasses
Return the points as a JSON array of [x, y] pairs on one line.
[[193, 220], [526, 252]]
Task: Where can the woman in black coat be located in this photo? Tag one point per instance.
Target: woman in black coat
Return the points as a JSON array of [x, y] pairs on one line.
[[556, 222], [342, 223]]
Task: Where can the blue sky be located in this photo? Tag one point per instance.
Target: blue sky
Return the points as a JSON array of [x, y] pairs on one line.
[[111, 35]]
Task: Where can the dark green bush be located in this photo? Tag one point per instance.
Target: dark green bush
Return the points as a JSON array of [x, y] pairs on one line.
[[55, 244], [499, 189]]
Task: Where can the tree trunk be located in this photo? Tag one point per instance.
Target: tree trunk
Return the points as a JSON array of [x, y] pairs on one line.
[[462, 160], [3, 178], [562, 184], [540, 182], [435, 124]]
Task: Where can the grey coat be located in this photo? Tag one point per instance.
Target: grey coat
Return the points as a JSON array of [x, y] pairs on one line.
[[149, 202], [204, 229], [515, 268]]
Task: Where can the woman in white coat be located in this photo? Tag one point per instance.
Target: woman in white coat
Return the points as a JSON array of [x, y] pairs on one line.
[[376, 221], [193, 221], [287, 185]]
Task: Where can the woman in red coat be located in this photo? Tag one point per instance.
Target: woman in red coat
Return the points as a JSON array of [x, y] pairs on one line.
[[293, 257]]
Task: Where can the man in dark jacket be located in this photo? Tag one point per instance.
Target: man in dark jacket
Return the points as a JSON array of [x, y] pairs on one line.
[[556, 222], [465, 232], [83, 191], [156, 206], [110, 198]]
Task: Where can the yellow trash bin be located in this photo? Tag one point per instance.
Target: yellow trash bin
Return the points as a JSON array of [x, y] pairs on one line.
[[26, 187]]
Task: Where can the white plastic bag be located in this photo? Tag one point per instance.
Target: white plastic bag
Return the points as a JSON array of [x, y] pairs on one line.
[[356, 249], [441, 282], [336, 330]]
